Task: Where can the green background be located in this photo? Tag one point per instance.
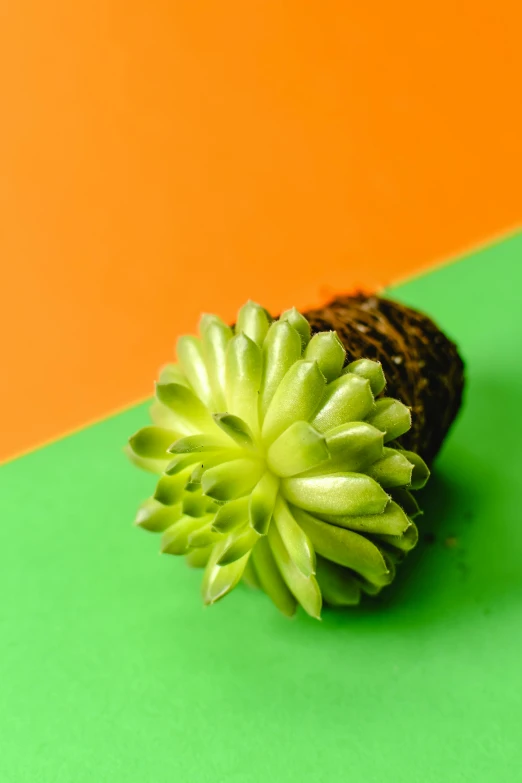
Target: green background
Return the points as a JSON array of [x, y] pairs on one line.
[[111, 670]]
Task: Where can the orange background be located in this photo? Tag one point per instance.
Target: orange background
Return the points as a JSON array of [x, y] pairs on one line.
[[163, 158]]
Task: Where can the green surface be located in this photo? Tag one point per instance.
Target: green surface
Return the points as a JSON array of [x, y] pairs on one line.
[[113, 671]]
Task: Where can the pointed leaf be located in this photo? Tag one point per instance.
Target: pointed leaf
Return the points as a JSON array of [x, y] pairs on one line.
[[161, 416], [156, 466], [391, 417], [298, 448], [392, 556], [338, 586], [189, 414], [262, 501], [299, 323], [194, 483], [204, 460], [392, 470], [195, 504], [155, 517], [407, 502], [270, 578], [421, 472], [215, 336], [281, 348], [328, 351], [204, 537], [405, 542], [174, 540], [239, 543], [296, 542], [194, 486], [232, 479], [352, 447], [367, 587], [304, 588], [236, 429], [220, 580], [336, 493], [253, 321], [349, 398], [250, 576], [192, 362], [295, 399], [231, 515], [393, 521], [172, 373], [195, 443], [345, 548], [152, 442], [183, 461], [371, 370], [243, 374], [169, 489], [198, 558]]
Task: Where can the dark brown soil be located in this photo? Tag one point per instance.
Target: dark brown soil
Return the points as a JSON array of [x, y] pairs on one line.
[[422, 366]]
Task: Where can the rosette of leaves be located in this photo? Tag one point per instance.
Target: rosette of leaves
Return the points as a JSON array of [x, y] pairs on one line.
[[279, 464]]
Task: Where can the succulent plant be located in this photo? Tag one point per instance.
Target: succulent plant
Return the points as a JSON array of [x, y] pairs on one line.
[[279, 463]]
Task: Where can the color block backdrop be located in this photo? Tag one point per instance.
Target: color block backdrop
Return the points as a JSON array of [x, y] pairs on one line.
[[160, 159]]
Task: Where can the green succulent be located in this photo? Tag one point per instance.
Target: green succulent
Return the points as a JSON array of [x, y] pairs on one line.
[[273, 463]]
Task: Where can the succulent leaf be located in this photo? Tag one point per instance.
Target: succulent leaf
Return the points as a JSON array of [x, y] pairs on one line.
[[421, 472], [338, 493], [231, 515], [327, 350], [198, 558], [192, 362], [295, 399], [219, 580], [295, 540], [231, 480], [406, 541], [297, 449], [262, 501], [175, 539], [243, 374], [299, 323], [215, 336], [170, 489], [155, 517], [270, 578], [370, 370], [338, 585], [249, 574], [406, 501], [172, 373], [392, 521], [152, 442], [238, 544], [253, 320], [391, 417], [304, 588], [149, 465], [392, 470], [281, 349], [235, 428], [348, 398]]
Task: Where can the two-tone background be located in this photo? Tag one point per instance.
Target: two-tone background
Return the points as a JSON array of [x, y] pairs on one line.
[[166, 158]]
